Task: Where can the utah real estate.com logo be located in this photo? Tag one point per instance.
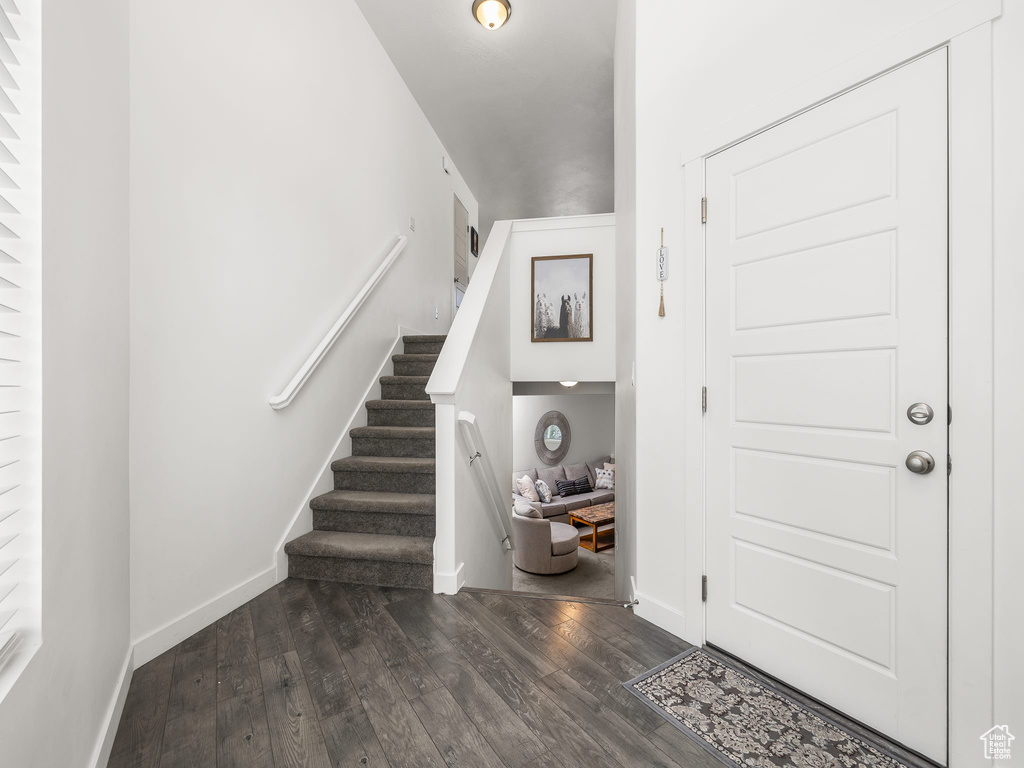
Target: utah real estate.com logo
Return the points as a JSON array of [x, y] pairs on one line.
[[997, 743]]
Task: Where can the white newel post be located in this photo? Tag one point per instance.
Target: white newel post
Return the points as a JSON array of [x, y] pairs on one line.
[[447, 572]]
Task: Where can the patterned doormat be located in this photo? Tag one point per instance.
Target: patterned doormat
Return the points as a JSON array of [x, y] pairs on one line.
[[744, 722]]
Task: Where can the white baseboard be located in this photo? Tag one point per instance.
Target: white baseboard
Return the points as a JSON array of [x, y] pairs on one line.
[[658, 613], [450, 583], [170, 634], [105, 742]]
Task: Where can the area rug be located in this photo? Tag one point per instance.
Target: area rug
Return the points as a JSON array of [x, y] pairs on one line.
[[744, 722]]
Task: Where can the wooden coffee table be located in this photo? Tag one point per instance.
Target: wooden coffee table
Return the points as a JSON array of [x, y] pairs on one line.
[[599, 514]]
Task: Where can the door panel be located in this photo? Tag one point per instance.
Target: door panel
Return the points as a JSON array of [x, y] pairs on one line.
[[814, 382], [843, 500], [853, 166], [839, 281], [826, 319], [852, 614]]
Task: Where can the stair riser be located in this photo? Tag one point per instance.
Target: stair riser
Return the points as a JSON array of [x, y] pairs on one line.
[[374, 522], [413, 368], [400, 417], [390, 391], [423, 347], [395, 482], [378, 573], [407, 448]]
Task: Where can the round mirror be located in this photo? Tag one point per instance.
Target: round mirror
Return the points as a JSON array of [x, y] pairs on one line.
[[552, 437]]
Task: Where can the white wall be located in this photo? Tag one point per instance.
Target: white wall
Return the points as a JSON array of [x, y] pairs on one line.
[[55, 714], [567, 361], [687, 81], [591, 421], [276, 156], [625, 298], [1008, 75], [486, 392]]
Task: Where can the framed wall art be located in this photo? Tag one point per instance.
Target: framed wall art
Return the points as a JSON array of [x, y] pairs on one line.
[[562, 298]]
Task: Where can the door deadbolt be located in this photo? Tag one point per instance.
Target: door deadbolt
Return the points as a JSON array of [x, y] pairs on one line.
[[920, 462], [920, 413]]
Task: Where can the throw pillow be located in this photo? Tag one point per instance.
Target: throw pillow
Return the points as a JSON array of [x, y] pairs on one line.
[[527, 489], [583, 485], [606, 479], [525, 509], [566, 487], [610, 466], [516, 474], [543, 491], [592, 467]]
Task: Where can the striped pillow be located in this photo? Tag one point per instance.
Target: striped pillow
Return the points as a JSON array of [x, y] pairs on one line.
[[566, 487], [573, 487]]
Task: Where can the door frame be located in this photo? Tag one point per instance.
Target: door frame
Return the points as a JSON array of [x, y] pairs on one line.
[[966, 30]]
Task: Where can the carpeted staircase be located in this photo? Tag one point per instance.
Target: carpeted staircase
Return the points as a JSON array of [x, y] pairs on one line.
[[377, 526]]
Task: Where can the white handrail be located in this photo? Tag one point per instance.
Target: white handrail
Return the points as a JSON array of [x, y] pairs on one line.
[[284, 399], [451, 363], [485, 471]]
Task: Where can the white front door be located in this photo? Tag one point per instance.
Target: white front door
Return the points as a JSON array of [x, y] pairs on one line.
[[826, 320]]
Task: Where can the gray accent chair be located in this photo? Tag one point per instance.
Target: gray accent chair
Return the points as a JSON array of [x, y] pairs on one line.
[[544, 547], [558, 509]]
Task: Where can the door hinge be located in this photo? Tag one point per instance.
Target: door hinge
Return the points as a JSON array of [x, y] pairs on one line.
[[703, 399], [703, 210], [704, 588], [949, 465]]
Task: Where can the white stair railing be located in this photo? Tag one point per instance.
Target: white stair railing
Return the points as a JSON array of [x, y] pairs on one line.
[[283, 400], [481, 462]]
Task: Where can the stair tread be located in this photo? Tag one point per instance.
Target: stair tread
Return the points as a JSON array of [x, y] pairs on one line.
[[375, 501], [363, 546], [384, 405], [407, 357], [394, 433], [383, 464], [424, 339], [405, 379]]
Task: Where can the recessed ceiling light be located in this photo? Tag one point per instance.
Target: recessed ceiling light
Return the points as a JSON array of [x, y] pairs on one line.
[[491, 13], [568, 384]]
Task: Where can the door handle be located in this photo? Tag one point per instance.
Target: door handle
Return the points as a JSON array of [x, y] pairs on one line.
[[920, 462]]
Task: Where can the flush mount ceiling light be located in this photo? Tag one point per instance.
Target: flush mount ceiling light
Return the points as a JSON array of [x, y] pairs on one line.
[[568, 384], [491, 13]]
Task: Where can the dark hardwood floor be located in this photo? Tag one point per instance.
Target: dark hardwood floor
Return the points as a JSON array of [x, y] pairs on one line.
[[325, 675]]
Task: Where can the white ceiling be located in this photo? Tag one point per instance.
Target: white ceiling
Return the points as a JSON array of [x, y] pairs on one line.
[[526, 110]]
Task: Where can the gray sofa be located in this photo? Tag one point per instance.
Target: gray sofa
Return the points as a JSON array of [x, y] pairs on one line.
[[558, 509]]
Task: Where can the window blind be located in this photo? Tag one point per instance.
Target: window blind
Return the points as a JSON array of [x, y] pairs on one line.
[[20, 359]]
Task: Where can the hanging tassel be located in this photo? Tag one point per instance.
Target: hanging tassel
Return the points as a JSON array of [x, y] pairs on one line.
[[661, 283]]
